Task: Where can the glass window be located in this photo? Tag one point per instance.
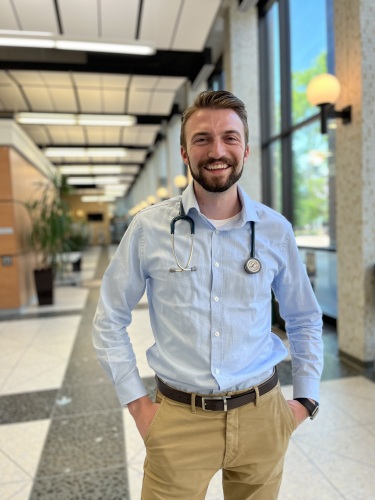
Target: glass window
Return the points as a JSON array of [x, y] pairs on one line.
[[311, 186], [308, 40], [273, 34], [276, 177]]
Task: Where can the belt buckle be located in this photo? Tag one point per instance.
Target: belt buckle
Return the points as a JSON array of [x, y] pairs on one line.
[[217, 398]]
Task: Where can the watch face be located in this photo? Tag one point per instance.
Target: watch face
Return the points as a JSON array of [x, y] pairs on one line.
[[314, 412]]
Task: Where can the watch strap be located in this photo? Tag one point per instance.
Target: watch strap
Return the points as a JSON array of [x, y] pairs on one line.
[[311, 407]]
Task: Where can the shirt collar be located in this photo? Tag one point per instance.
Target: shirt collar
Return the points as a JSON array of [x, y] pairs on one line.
[[248, 212]]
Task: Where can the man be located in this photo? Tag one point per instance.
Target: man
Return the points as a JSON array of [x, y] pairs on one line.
[[219, 404]]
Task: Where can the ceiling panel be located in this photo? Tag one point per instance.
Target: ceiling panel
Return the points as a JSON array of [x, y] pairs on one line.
[[64, 100], [170, 83], [114, 81], [12, 99], [140, 135], [57, 78], [75, 135], [202, 24], [136, 156], [111, 135], [87, 79], [139, 102], [39, 98], [95, 135], [148, 134], [143, 82], [119, 18], [37, 133], [27, 77], [58, 135], [161, 103], [79, 19], [159, 21], [7, 19], [114, 101], [90, 100], [37, 15]]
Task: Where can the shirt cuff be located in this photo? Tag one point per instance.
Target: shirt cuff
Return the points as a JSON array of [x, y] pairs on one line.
[[304, 387], [131, 390]]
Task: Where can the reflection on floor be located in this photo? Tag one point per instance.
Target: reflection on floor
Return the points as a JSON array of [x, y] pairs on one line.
[[63, 434]]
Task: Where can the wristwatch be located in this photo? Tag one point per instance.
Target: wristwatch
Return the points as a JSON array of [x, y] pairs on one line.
[[311, 406]]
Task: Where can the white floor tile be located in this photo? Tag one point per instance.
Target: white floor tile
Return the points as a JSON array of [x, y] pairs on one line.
[[19, 490], [35, 359], [21, 445]]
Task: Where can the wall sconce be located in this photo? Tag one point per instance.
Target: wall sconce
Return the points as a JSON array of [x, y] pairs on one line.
[[323, 91], [162, 193], [180, 181]]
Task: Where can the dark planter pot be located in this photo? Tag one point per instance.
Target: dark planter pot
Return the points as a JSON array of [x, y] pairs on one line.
[[44, 285], [77, 265]]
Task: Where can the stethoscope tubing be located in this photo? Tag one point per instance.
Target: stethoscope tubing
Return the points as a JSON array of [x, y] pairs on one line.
[[252, 265]]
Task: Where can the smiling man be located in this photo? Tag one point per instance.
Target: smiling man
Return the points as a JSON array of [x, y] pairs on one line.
[[219, 404]]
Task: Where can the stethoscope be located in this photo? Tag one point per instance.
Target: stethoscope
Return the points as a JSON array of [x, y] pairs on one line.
[[252, 265]]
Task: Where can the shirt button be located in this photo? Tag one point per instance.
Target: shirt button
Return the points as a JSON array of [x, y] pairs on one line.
[[216, 299], [217, 231], [217, 264], [217, 371], [217, 334]]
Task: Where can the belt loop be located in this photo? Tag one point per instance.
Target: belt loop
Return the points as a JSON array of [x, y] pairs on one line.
[[257, 398], [193, 409]]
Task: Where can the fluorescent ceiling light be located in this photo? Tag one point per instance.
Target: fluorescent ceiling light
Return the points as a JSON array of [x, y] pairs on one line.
[[46, 118], [85, 152], [26, 33], [87, 170], [129, 170], [114, 48], [38, 41], [97, 199], [99, 180], [106, 179], [75, 119]]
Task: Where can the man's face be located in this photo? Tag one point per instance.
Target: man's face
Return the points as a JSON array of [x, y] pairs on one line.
[[215, 148]]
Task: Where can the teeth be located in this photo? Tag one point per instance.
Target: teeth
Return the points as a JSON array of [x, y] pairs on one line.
[[217, 167]]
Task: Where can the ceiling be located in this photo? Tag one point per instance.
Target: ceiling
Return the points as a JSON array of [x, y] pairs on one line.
[[61, 81]]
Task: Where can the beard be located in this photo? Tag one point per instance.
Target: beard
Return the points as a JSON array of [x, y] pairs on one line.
[[215, 184]]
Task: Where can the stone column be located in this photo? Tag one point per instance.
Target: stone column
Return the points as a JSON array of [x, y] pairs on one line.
[[241, 69], [355, 178]]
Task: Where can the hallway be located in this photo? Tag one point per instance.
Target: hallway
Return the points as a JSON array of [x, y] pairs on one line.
[[64, 436]]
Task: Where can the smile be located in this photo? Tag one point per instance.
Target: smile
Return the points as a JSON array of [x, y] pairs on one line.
[[221, 166]]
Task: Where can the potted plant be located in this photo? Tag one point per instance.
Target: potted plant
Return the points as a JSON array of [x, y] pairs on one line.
[[50, 227]]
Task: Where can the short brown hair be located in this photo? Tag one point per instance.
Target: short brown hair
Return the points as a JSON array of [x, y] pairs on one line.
[[215, 99]]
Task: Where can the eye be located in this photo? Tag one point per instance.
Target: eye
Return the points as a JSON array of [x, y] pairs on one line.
[[200, 140]]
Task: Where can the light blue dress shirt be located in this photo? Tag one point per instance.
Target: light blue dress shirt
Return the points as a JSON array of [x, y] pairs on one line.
[[212, 327]]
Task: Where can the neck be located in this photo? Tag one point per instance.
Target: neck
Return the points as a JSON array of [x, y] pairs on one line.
[[218, 206]]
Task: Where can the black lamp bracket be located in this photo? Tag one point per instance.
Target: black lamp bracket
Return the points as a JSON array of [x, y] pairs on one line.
[[328, 111]]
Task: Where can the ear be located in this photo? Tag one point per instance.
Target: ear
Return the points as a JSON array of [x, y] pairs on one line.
[[247, 152], [184, 155]]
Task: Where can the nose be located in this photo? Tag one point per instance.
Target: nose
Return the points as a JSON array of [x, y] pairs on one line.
[[217, 149]]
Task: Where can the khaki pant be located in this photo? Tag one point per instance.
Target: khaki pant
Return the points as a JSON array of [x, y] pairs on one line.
[[186, 446]]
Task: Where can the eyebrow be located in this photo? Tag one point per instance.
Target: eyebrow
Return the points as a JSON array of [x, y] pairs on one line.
[[226, 132]]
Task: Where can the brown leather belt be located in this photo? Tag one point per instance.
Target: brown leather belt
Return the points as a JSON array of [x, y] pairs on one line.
[[217, 403]]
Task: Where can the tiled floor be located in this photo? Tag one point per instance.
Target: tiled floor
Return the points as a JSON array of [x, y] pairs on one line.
[[63, 434]]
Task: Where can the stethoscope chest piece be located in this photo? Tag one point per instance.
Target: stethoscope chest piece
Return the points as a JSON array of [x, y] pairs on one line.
[[252, 266]]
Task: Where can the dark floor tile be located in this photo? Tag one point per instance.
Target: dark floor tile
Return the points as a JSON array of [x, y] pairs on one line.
[[110, 484], [83, 399], [80, 444], [84, 370], [26, 407]]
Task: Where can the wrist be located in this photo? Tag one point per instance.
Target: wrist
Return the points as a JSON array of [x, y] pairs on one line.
[[139, 405], [311, 406]]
